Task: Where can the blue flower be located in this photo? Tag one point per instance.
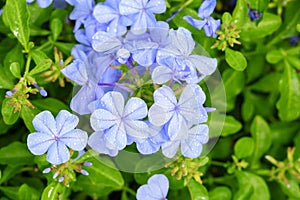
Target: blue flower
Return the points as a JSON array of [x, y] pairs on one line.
[[108, 13], [118, 120], [141, 12], [179, 50], [82, 11], [55, 135], [46, 3], [190, 142], [175, 115], [209, 24], [254, 14], [156, 189]]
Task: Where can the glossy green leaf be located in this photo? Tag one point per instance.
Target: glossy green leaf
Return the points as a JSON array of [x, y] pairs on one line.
[[248, 109], [268, 83], [219, 193], [251, 187], [51, 104], [298, 27], [235, 59], [291, 189], [9, 172], [42, 66], [56, 27], [240, 13], [289, 86], [244, 147], [231, 126], [54, 191], [294, 61], [27, 115], [38, 56], [226, 18], [101, 180], [64, 47], [8, 113], [274, 56], [14, 55], [259, 5], [269, 23], [27, 193], [17, 16], [16, 153], [261, 134], [15, 69], [197, 191], [11, 192], [5, 81], [233, 82]]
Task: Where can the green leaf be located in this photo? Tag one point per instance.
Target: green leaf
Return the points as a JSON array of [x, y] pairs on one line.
[[220, 193], [226, 18], [54, 191], [9, 172], [240, 13], [251, 187], [15, 69], [27, 193], [101, 180], [5, 81], [14, 55], [268, 24], [244, 147], [64, 47], [261, 134], [197, 191], [15, 154], [11, 192], [248, 109], [235, 59], [17, 16], [289, 87], [7, 111], [274, 56], [294, 61], [42, 66], [27, 115], [268, 83], [231, 126], [298, 28], [260, 5], [51, 104], [56, 27], [292, 188]]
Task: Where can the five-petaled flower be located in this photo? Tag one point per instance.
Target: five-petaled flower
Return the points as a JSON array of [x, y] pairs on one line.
[[156, 189], [55, 135]]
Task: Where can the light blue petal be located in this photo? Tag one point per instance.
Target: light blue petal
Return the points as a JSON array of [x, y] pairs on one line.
[[147, 147], [136, 129], [113, 102], [44, 122], [98, 143], [116, 135], [206, 8], [87, 94], [192, 146], [199, 24], [156, 189], [191, 104], [65, 122], [204, 65], [144, 53], [182, 40], [44, 3], [104, 13], [174, 126], [156, 6], [135, 108], [165, 98], [128, 7], [158, 115], [169, 149], [102, 119], [76, 71], [139, 26], [105, 42], [39, 143], [161, 74], [75, 139], [58, 153]]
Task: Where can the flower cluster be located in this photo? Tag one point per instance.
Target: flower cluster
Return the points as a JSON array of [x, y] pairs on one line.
[[209, 24], [131, 69]]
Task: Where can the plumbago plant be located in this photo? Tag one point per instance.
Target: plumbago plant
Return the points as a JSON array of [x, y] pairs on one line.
[[149, 99]]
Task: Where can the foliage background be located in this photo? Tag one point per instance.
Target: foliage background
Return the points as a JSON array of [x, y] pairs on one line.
[[251, 159]]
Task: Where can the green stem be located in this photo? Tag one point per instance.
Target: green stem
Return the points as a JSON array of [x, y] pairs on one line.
[[46, 44], [129, 190], [220, 164], [27, 65]]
